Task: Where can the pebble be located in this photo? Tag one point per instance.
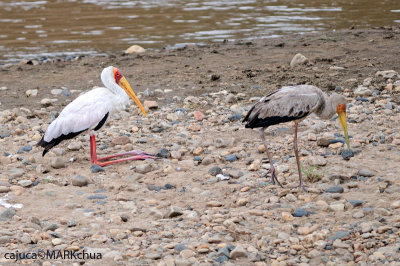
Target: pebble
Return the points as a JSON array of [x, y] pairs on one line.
[[238, 252], [135, 49], [7, 214], [143, 168], [163, 153], [207, 160], [365, 172], [79, 181], [176, 155], [231, 158], [25, 183], [387, 74], [199, 116], [362, 91], [46, 102], [56, 241], [299, 212], [31, 93], [323, 142], [287, 217], [174, 211], [198, 151], [58, 162], [96, 168], [395, 204], [180, 247], [215, 170], [338, 235], [150, 104], [335, 189], [242, 201], [356, 203], [336, 206], [74, 146], [214, 203], [4, 189], [358, 215], [316, 161], [56, 91], [311, 136], [121, 140], [298, 59], [347, 154]]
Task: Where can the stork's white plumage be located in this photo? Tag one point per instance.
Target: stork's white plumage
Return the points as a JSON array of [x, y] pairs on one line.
[[90, 111], [294, 103]]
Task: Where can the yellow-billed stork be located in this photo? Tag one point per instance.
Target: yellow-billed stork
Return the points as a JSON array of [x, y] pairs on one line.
[[294, 103], [90, 111]]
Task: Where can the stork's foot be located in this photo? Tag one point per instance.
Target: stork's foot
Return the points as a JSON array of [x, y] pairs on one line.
[[133, 153], [133, 158], [274, 178]]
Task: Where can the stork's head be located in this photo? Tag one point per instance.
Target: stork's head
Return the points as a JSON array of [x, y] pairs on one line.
[[111, 76], [339, 103]]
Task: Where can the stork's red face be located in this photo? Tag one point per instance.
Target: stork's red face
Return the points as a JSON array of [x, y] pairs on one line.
[[117, 75], [124, 84]]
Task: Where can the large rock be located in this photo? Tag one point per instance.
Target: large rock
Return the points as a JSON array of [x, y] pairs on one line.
[[135, 49], [387, 74], [298, 59], [238, 252], [58, 163], [362, 91], [79, 181], [45, 102], [143, 168]]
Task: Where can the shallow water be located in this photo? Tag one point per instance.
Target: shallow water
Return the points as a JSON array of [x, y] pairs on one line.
[[41, 29]]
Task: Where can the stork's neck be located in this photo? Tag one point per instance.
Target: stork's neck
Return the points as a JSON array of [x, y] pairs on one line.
[[326, 110], [121, 99]]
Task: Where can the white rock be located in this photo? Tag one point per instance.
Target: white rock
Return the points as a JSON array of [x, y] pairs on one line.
[[31, 93], [74, 146], [56, 91], [362, 91], [336, 206], [298, 59], [45, 102], [387, 74], [135, 49]]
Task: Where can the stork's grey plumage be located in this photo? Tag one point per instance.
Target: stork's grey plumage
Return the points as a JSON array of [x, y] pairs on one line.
[[293, 103]]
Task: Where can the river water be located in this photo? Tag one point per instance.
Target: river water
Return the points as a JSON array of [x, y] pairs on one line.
[[42, 29]]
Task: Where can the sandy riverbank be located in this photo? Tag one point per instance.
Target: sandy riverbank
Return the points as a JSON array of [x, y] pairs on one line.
[[175, 210]]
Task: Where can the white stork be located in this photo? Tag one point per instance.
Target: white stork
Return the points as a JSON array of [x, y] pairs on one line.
[[294, 103], [90, 111]]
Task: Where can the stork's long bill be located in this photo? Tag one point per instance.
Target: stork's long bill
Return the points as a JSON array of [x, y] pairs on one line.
[[341, 111], [123, 83]]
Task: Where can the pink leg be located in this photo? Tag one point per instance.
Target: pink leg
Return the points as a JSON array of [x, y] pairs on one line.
[[133, 152], [138, 155]]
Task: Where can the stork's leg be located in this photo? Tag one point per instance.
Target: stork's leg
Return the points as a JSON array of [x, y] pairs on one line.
[[138, 155], [296, 152], [272, 168]]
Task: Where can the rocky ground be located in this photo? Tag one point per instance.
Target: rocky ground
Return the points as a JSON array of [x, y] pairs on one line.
[[206, 202]]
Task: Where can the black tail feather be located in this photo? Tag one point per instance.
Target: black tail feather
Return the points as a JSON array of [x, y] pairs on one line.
[[54, 142]]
